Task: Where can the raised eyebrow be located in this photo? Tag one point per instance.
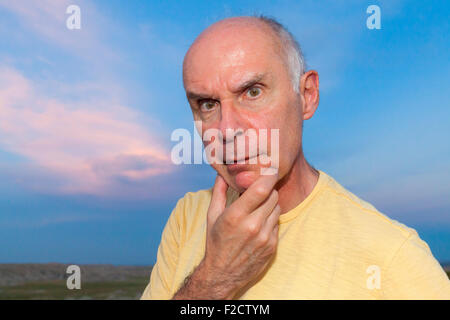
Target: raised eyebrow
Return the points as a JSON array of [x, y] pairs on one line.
[[248, 83]]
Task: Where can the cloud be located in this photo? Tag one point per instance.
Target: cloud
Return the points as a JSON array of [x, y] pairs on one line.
[[87, 146], [47, 20], [33, 13]]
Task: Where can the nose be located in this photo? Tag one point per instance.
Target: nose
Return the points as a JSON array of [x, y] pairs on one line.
[[231, 123]]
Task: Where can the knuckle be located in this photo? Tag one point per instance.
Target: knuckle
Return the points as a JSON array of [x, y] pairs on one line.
[[261, 191], [252, 228], [264, 238]]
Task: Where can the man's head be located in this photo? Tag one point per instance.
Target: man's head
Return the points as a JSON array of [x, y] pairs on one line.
[[248, 73]]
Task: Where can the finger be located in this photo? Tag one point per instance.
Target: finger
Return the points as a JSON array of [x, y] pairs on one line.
[[266, 208], [256, 193], [271, 222], [218, 199]]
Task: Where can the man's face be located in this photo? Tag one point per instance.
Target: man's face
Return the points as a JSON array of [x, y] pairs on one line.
[[235, 78]]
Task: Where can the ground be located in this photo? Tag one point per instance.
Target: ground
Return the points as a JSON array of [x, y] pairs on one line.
[[48, 281], [100, 282]]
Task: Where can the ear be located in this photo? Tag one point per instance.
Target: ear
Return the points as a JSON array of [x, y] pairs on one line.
[[309, 92]]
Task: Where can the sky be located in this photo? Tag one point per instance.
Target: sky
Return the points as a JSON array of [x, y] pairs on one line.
[[86, 117]]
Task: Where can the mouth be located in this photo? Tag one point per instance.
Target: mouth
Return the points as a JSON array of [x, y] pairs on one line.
[[243, 164], [245, 160]]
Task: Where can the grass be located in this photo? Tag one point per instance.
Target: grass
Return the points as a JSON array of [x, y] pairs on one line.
[[57, 290]]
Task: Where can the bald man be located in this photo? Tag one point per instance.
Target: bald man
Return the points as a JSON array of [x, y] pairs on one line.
[[293, 234]]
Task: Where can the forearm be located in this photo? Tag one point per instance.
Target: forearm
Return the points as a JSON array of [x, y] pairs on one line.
[[203, 284]]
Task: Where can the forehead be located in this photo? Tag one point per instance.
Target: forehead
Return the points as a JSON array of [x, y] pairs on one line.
[[228, 54]]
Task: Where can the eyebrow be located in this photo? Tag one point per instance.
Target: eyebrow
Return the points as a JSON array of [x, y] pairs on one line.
[[197, 96], [250, 82], [241, 87]]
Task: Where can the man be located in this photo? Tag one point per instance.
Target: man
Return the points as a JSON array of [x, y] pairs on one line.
[[295, 234]]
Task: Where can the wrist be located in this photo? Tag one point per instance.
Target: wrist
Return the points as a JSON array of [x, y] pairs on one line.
[[217, 285], [207, 283]]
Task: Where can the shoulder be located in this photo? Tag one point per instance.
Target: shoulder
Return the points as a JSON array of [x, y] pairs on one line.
[[369, 237], [360, 213], [371, 233]]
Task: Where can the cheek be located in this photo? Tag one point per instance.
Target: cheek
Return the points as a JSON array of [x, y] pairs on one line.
[[292, 135], [290, 140]]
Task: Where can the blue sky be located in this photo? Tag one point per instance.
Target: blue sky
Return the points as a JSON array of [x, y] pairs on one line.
[[86, 117]]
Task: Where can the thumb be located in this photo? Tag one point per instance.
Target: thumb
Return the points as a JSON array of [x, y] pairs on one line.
[[218, 200]]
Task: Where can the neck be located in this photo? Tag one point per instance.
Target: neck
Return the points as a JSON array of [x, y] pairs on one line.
[[297, 184]]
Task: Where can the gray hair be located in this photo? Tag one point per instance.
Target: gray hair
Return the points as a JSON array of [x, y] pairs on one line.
[[293, 53]]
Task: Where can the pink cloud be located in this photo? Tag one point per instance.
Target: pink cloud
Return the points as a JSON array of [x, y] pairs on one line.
[[87, 145]]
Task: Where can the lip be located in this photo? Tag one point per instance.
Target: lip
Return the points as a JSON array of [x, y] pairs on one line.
[[241, 166], [244, 161]]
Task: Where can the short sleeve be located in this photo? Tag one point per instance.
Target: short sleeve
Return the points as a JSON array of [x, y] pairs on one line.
[[414, 273], [161, 279]]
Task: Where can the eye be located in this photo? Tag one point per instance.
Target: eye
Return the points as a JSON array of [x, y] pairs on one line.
[[208, 105], [253, 92]]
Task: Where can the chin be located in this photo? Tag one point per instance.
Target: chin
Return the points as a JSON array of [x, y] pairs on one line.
[[239, 178], [244, 179]]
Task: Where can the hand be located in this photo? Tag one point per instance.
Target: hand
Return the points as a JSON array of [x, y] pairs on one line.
[[242, 238]]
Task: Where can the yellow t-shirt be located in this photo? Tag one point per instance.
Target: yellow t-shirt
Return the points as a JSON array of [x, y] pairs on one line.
[[333, 245]]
